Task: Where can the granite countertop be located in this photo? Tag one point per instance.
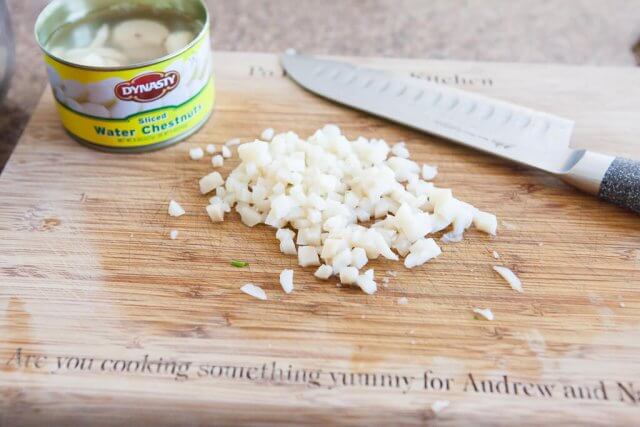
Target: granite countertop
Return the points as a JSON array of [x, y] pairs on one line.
[[594, 32]]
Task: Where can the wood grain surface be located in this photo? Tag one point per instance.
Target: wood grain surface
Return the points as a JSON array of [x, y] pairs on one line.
[[106, 321]]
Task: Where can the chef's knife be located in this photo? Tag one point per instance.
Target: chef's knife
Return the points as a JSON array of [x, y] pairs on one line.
[[507, 130]]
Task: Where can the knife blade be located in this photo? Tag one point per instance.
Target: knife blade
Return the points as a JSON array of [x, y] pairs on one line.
[[507, 130]]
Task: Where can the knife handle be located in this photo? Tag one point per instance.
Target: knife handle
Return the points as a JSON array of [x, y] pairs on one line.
[[614, 179]]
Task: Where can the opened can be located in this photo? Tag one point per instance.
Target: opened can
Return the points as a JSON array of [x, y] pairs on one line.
[[128, 75]]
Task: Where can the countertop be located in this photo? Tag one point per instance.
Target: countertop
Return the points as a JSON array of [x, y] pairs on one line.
[[594, 32]]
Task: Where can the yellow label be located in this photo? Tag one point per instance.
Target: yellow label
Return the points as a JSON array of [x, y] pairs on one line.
[[135, 107]]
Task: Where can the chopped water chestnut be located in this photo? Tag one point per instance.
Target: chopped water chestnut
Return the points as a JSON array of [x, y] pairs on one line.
[[343, 203], [254, 290], [510, 277], [175, 209], [286, 280], [196, 153]]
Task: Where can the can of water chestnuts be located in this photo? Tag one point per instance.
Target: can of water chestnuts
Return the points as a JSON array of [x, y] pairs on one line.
[[128, 75]]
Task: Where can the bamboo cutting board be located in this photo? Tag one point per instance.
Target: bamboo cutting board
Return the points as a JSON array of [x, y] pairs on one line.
[[106, 321]]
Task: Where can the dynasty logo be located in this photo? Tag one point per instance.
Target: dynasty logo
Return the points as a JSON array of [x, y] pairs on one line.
[[148, 87]]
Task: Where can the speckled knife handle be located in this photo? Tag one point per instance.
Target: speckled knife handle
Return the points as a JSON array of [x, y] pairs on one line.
[[614, 179], [621, 184]]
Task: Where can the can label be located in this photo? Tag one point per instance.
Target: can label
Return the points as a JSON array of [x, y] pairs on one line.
[[135, 107]]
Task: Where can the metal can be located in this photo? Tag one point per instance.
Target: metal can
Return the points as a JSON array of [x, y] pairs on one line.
[[137, 106]]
